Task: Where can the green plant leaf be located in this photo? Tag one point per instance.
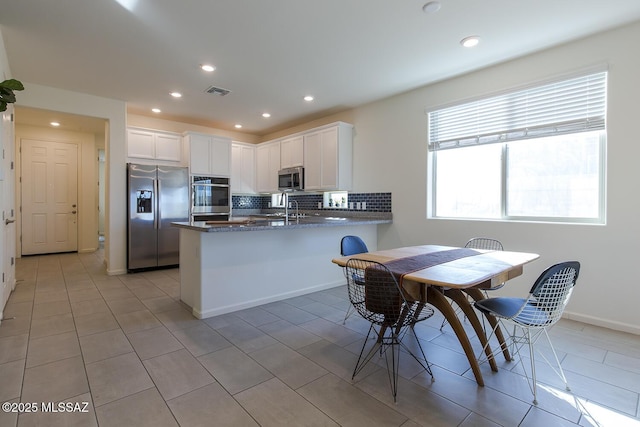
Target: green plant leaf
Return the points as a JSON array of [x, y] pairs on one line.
[[3, 106], [7, 96], [12, 84]]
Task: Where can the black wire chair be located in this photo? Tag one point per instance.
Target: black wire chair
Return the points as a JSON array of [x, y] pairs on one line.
[[376, 295], [531, 317]]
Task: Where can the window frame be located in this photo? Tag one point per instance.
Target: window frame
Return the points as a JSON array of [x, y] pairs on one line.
[[602, 174]]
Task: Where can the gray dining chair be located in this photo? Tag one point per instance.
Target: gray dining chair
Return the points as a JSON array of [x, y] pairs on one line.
[[376, 295], [531, 317]]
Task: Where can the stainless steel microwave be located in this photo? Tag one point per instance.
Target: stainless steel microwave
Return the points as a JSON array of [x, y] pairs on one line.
[[291, 179]]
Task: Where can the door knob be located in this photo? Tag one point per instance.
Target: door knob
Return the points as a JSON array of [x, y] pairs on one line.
[[73, 212], [9, 221]]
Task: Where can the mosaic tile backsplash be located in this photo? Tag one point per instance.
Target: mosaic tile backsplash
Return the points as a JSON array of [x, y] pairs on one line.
[[376, 202]]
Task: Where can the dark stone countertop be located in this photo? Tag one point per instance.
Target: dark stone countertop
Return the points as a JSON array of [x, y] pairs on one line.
[[271, 222]]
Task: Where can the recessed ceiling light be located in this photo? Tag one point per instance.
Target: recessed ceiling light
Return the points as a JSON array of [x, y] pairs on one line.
[[238, 126], [308, 98], [431, 7], [470, 41], [176, 94], [266, 115], [208, 68], [54, 124], [156, 110]]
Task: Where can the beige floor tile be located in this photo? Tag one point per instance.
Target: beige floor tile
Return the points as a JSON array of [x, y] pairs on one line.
[[52, 348], [9, 419], [84, 294], [16, 326], [149, 292], [289, 313], [417, 403], [50, 296], [52, 325], [17, 309], [104, 345], [177, 373], [82, 308], [289, 334], [177, 319], [95, 322], [234, 370], [348, 405], [272, 403], [211, 402], [153, 342], [256, 316], [245, 336], [201, 339], [13, 348], [332, 332], [82, 415], [11, 374], [481, 400], [125, 305], [289, 366], [160, 303], [475, 420], [143, 409], [47, 309], [137, 321], [56, 381], [116, 378], [335, 359], [113, 293]]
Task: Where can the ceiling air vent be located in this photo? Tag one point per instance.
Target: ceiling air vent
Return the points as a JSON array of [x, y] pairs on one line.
[[217, 91]]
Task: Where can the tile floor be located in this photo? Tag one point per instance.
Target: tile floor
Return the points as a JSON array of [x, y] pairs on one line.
[[127, 347]]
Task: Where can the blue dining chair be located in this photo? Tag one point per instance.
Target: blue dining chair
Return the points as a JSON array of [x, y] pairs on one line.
[[531, 317], [351, 245]]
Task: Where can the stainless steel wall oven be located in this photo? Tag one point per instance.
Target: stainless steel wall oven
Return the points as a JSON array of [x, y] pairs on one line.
[[210, 198]]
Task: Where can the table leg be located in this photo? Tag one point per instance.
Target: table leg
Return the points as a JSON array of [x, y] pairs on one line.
[[462, 301], [477, 295], [436, 298]]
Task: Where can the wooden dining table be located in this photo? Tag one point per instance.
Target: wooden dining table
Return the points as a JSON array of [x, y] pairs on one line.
[[439, 272]]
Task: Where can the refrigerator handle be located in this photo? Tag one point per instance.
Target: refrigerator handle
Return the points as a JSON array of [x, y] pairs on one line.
[[156, 217]]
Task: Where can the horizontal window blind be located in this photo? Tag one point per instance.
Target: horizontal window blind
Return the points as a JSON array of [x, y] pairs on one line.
[[568, 106]]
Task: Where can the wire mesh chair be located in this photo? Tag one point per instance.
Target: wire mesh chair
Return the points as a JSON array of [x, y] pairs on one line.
[[351, 245], [485, 243], [532, 316], [376, 295]]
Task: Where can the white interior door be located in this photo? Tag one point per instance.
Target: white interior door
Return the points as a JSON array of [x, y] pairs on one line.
[[49, 197], [8, 226]]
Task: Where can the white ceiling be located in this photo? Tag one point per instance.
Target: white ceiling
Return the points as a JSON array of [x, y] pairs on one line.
[[270, 54]]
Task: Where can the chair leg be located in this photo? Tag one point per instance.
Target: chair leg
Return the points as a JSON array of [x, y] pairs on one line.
[[349, 312], [533, 366], [559, 372]]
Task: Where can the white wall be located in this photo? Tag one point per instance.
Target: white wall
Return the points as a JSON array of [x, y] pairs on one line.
[[391, 137], [38, 96]]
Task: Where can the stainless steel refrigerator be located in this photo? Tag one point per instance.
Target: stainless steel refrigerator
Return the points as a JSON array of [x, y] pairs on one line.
[[158, 196]]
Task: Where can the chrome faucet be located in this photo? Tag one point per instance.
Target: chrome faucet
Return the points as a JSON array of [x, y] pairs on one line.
[[284, 197]]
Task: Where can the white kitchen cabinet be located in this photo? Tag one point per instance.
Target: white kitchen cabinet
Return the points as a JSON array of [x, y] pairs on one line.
[[209, 154], [267, 167], [154, 145], [292, 152], [328, 154], [243, 166]]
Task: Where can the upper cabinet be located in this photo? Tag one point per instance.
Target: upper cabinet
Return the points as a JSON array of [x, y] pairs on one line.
[[292, 152], [154, 145], [328, 154], [267, 166], [243, 166], [208, 154]]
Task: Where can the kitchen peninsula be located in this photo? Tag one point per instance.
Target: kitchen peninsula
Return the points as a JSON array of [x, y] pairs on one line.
[[246, 262]]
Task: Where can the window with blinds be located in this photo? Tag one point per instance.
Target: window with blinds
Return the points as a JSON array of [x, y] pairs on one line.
[[531, 154]]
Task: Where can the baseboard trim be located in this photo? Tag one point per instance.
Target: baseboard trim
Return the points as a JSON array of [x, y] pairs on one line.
[[597, 321]]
